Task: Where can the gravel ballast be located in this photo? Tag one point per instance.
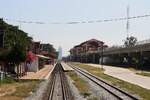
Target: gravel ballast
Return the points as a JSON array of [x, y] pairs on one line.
[[97, 91], [41, 91]]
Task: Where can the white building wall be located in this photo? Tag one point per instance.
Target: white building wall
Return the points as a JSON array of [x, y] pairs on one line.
[[33, 66]]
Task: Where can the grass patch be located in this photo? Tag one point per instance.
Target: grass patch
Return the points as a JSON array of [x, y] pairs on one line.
[[131, 88], [143, 74], [132, 69], [7, 80], [140, 72], [81, 84], [92, 98], [18, 90]]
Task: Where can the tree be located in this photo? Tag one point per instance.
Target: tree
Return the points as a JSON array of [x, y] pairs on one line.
[[15, 45], [50, 49], [47, 47], [130, 41], [16, 56]]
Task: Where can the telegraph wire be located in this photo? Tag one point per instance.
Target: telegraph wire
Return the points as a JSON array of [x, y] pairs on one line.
[[79, 22]]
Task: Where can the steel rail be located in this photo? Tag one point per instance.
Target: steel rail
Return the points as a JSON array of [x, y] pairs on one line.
[[105, 85], [65, 89]]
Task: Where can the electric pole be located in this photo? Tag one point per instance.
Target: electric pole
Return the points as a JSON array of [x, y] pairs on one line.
[[127, 24]]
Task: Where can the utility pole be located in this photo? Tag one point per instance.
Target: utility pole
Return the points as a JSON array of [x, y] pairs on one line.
[[127, 24], [102, 55]]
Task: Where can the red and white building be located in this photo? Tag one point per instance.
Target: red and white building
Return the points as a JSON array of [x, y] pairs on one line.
[[88, 51]]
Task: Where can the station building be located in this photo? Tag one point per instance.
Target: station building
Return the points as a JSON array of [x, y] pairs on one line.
[[87, 52]]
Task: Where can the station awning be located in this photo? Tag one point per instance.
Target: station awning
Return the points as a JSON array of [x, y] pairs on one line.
[[41, 56], [31, 56]]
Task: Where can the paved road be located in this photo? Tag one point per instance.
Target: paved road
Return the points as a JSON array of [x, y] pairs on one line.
[[126, 75]]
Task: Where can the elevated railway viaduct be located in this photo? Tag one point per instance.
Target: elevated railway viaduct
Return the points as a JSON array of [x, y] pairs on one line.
[[138, 55], [134, 56]]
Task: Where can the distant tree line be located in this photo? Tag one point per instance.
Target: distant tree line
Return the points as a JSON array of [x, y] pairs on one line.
[[15, 44]]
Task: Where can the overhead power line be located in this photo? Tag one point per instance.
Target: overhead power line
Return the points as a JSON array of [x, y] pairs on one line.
[[79, 22]]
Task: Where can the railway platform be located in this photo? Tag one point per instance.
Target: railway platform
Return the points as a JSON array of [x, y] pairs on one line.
[[66, 67], [125, 75], [44, 73]]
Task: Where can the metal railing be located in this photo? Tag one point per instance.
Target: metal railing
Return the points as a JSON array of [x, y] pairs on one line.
[[123, 46], [143, 42]]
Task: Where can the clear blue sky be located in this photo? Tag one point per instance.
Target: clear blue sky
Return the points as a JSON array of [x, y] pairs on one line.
[[66, 36]]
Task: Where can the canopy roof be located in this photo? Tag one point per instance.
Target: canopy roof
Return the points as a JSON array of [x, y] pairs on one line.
[[31, 56], [41, 56]]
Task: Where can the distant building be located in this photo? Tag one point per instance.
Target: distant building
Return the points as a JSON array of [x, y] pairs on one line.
[[36, 47], [87, 51], [38, 56], [59, 53]]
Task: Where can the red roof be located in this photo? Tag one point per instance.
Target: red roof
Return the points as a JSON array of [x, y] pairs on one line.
[[31, 56]]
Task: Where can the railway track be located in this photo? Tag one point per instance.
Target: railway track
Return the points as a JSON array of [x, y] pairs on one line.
[[116, 92], [59, 88]]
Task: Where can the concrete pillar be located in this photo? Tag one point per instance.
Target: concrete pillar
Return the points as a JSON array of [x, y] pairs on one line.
[[129, 59], [141, 60], [94, 58], [86, 57]]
